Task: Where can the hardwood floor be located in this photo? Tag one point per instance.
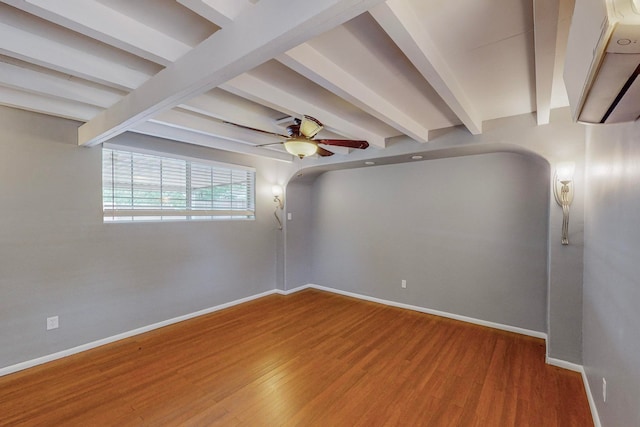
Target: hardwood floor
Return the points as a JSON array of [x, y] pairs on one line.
[[310, 358]]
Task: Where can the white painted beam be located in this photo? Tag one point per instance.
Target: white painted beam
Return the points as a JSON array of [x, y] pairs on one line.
[[264, 31], [257, 90], [107, 25], [57, 86], [402, 24], [49, 53], [225, 106], [545, 29], [41, 104], [180, 119], [196, 123], [231, 108], [318, 68], [220, 12], [176, 134]]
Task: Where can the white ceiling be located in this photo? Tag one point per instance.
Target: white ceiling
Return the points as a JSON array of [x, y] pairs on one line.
[[366, 69]]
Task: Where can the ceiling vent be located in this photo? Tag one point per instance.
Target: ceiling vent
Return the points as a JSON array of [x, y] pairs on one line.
[[603, 61]]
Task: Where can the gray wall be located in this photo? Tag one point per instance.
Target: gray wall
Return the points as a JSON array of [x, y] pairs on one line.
[[611, 316], [560, 140], [58, 258], [298, 241], [106, 279], [469, 234]]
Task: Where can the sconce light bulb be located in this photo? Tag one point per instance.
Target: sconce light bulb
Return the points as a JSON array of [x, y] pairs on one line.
[[564, 171], [276, 190]]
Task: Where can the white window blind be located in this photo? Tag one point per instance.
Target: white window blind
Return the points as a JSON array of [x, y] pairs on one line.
[[140, 186]]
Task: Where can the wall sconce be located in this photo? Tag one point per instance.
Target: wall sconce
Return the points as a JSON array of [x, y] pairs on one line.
[[277, 191], [563, 191]]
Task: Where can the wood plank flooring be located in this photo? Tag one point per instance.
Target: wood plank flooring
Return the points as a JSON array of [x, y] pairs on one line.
[[307, 359]]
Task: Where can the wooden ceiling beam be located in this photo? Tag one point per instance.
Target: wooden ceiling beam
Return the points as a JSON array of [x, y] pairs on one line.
[[42, 104], [58, 86], [178, 134], [545, 30], [186, 120], [49, 53], [310, 63], [220, 12], [263, 32], [257, 90], [100, 22], [402, 24], [228, 107]]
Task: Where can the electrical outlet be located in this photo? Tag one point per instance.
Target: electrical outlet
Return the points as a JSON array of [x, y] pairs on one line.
[[404, 284], [288, 216], [52, 323], [604, 390]]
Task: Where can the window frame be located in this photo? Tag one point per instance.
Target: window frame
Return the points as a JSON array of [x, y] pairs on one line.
[[136, 215]]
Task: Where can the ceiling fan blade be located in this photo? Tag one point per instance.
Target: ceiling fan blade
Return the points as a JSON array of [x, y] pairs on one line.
[[344, 143], [271, 143], [324, 153], [255, 129], [310, 126]]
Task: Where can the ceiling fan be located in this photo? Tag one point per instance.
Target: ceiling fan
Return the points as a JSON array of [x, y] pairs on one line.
[[300, 140]]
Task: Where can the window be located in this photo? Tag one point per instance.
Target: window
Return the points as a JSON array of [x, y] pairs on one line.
[[138, 186]]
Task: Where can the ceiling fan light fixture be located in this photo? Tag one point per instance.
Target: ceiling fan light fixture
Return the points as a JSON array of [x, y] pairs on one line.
[[310, 126], [301, 147]]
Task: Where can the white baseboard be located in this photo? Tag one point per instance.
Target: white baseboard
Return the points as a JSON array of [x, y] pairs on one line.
[[563, 364], [64, 353], [488, 324], [579, 368], [592, 402], [291, 291]]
